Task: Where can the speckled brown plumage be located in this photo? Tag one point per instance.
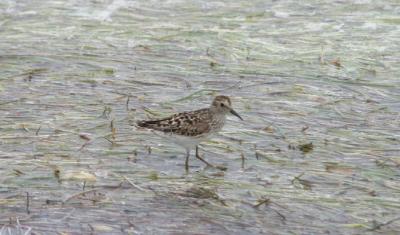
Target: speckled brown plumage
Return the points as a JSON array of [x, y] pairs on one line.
[[186, 124], [188, 129]]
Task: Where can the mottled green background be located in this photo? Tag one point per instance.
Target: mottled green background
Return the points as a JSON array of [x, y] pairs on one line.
[[74, 75]]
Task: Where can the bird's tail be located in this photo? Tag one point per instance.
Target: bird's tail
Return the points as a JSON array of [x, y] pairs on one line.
[[146, 124]]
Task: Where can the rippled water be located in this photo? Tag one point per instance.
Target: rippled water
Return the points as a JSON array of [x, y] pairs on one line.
[[317, 84]]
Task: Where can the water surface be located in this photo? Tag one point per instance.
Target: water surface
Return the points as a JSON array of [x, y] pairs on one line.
[[317, 84]]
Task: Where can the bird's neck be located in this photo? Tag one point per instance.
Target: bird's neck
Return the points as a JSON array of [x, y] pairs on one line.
[[219, 119]]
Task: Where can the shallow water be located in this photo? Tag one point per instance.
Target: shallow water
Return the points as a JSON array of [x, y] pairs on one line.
[[74, 75]]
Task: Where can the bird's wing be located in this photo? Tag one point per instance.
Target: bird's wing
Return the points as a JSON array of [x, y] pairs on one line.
[[187, 124]]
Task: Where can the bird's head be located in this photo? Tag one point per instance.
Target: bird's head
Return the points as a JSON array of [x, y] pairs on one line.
[[222, 104]]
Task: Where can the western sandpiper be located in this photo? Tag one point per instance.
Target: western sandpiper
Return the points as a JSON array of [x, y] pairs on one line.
[[188, 129]]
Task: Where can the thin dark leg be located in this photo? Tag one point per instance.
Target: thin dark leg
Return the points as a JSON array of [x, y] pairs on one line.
[[202, 159], [222, 168], [187, 160]]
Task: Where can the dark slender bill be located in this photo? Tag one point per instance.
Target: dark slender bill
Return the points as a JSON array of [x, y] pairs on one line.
[[236, 114]]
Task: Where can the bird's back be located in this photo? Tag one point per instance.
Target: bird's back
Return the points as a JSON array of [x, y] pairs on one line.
[[193, 124]]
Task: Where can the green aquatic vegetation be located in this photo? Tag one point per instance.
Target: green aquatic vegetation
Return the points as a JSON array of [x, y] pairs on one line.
[[153, 176], [316, 86], [306, 148]]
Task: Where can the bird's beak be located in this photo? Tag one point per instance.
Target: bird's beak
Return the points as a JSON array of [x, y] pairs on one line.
[[236, 114]]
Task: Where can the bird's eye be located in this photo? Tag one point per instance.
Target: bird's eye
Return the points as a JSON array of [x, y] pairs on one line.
[[222, 105]]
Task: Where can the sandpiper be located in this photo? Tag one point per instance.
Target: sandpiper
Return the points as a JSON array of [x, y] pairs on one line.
[[188, 129]]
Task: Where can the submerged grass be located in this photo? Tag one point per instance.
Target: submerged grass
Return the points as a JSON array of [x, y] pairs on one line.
[[316, 86]]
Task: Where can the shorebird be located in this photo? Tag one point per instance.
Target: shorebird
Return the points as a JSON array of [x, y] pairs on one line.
[[189, 129]]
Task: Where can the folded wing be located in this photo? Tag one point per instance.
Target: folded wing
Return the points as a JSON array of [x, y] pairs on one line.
[[186, 124]]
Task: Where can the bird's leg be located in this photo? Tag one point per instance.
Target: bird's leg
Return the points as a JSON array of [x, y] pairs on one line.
[[187, 160], [202, 159], [222, 168]]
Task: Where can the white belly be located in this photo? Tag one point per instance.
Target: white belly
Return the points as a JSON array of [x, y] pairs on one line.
[[187, 142]]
